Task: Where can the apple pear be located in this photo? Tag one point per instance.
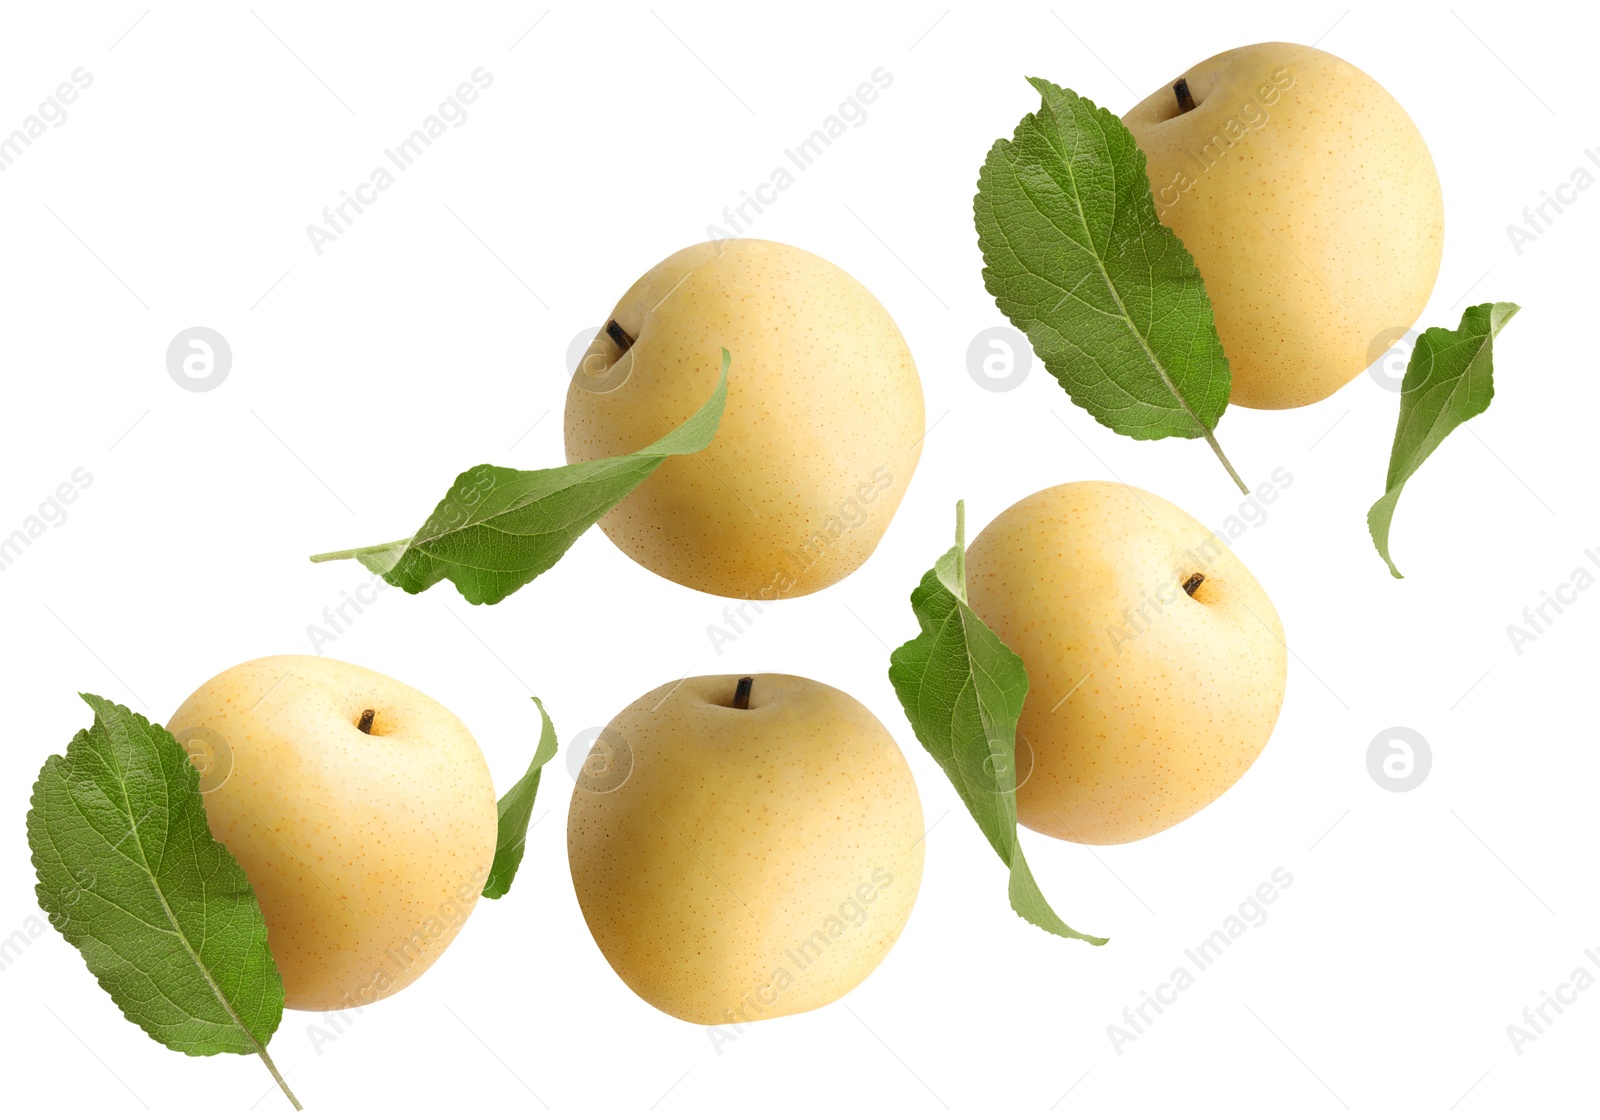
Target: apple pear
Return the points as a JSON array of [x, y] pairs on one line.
[[1156, 663], [821, 433], [362, 813], [1310, 204], [745, 848]]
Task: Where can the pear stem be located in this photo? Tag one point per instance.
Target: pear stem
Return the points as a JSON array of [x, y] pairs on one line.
[[1192, 584], [621, 337], [741, 694], [1180, 88], [365, 726]]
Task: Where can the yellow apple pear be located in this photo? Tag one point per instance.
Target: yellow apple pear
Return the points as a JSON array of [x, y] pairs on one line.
[[362, 813], [821, 433], [1310, 204], [1156, 663], [745, 848]]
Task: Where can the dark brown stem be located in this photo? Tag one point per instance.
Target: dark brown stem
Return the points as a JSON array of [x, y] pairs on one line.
[[1185, 98], [741, 695], [365, 726], [621, 337], [1192, 584]]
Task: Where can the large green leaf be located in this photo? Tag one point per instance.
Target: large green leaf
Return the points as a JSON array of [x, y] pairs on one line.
[[515, 809], [131, 876], [1075, 256], [962, 689], [1449, 380], [497, 529]]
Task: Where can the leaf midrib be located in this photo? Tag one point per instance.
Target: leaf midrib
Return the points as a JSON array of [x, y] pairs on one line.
[[612, 466], [1099, 262], [1445, 410], [144, 865]]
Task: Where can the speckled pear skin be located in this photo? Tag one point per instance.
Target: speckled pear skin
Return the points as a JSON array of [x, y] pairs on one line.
[[367, 852], [1145, 704], [1312, 208], [822, 430], [754, 863]]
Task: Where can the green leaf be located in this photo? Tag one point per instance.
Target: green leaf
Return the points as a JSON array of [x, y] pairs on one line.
[[962, 689], [1075, 256], [1449, 380], [497, 529], [162, 913], [515, 809]]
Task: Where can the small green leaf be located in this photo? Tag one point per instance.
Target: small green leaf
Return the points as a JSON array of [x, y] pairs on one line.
[[515, 809], [1449, 380], [1075, 256], [962, 689], [497, 529], [132, 877]]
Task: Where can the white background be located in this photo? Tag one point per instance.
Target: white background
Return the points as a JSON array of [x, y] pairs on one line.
[[432, 335]]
